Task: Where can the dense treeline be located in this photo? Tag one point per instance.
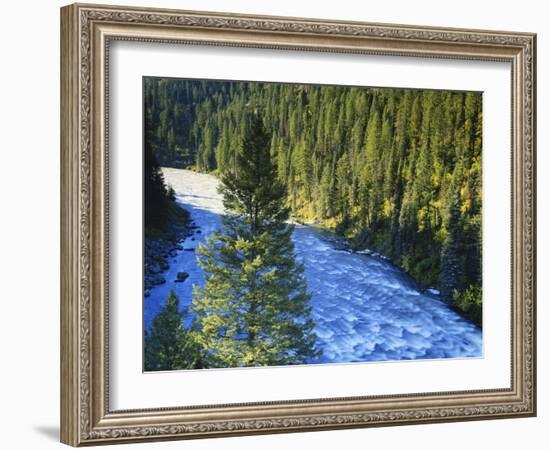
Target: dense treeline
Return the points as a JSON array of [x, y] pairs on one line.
[[394, 170]]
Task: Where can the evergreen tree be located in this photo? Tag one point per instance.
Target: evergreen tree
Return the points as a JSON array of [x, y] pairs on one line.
[[155, 190], [253, 309], [452, 260], [168, 344]]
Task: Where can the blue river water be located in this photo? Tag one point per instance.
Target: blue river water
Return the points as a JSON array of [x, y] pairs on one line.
[[365, 308]]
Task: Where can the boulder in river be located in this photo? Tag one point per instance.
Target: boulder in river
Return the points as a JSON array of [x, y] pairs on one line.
[[181, 277]]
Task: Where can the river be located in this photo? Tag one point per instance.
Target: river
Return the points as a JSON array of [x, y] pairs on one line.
[[365, 308]]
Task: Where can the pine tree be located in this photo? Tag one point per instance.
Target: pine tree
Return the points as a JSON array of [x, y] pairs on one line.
[[343, 171], [326, 199], [452, 260], [169, 345], [154, 189], [253, 309]]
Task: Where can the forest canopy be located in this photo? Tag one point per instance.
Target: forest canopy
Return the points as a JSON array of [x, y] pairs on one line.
[[397, 171]]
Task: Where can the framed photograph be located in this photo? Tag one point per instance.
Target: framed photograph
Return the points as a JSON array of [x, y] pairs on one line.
[[274, 224]]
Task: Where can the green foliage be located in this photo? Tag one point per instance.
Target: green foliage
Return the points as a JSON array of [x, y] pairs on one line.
[[470, 302], [395, 170], [253, 309], [168, 344]]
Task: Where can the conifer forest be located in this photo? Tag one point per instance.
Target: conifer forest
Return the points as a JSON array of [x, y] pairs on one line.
[[301, 224]]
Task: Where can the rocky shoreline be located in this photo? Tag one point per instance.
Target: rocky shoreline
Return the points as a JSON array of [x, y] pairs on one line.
[[159, 250]]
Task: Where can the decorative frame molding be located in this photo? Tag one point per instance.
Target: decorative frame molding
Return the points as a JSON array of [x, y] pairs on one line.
[[86, 31]]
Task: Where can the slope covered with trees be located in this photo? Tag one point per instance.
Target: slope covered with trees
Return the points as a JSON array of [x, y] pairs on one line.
[[394, 170]]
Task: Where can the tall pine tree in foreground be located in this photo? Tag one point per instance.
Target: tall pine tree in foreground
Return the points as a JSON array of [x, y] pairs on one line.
[[253, 309], [168, 344]]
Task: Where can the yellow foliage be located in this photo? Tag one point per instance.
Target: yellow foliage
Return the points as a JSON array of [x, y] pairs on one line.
[[330, 223], [420, 216], [466, 199], [441, 234], [388, 208]]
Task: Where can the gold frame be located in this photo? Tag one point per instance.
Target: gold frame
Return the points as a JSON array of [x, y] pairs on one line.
[[86, 31]]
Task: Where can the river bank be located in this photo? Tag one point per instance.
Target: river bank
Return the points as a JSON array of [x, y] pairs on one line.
[[157, 252]]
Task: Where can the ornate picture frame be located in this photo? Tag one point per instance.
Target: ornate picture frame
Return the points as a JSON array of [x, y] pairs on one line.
[[87, 32]]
